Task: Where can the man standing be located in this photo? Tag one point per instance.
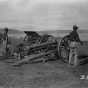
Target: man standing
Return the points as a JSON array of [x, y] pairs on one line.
[[74, 38], [5, 40]]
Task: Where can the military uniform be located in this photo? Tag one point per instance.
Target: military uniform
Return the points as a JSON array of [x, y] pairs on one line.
[[74, 38], [5, 40]]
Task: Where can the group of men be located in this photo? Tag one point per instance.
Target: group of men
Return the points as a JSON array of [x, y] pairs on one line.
[[73, 46]]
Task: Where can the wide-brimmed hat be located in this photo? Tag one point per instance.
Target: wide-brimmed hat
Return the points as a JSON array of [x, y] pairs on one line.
[[6, 29], [75, 27]]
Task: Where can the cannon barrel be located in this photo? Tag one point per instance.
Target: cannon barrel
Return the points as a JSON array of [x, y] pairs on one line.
[[43, 44]]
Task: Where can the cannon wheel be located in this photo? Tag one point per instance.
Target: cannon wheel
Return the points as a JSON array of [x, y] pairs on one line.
[[63, 50], [26, 39], [45, 38]]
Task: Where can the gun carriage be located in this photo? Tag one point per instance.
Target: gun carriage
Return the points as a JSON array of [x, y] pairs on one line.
[[35, 46]]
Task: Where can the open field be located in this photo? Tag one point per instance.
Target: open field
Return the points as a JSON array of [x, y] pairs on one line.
[[51, 74]]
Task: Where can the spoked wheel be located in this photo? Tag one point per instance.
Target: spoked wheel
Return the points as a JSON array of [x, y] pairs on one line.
[[45, 38], [19, 51], [26, 39], [63, 48]]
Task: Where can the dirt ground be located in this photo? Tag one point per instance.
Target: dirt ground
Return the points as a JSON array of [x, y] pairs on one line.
[[50, 74]]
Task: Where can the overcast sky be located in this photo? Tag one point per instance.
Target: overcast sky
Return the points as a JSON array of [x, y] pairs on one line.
[[43, 14]]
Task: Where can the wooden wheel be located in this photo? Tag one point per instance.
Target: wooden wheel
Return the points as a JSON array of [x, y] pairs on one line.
[[26, 39], [63, 48], [45, 38], [19, 50]]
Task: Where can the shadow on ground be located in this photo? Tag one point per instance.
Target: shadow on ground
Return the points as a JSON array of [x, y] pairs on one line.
[[83, 59], [82, 56], [35, 62]]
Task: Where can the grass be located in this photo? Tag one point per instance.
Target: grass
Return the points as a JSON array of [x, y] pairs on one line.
[[51, 74]]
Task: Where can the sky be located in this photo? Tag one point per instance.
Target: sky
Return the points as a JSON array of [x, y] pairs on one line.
[[43, 15]]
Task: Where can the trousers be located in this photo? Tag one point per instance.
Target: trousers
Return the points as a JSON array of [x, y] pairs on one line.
[[4, 46], [73, 52]]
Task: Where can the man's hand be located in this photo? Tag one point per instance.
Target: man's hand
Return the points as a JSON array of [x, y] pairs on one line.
[[81, 43]]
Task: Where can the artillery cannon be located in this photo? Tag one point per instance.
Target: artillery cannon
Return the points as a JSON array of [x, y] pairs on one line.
[[31, 37], [42, 46]]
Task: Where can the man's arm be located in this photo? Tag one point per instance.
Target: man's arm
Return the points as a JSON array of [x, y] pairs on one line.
[[78, 39], [6, 39], [2, 37]]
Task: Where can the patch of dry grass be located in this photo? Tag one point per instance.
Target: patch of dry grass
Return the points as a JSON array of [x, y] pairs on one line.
[[53, 74]]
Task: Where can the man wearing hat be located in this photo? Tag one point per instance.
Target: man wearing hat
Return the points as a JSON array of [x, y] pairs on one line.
[[5, 40], [74, 38]]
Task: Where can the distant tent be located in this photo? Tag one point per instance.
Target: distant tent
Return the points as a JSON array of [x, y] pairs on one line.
[[32, 33]]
